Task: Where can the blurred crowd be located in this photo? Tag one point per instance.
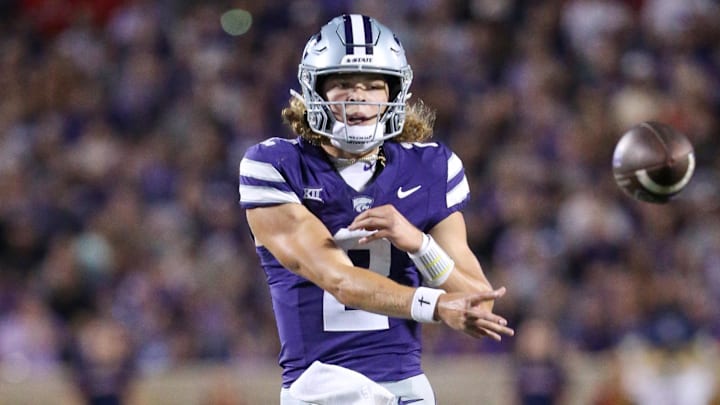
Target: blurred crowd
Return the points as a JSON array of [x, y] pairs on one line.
[[122, 124]]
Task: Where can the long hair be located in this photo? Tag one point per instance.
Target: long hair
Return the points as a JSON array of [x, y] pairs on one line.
[[419, 121]]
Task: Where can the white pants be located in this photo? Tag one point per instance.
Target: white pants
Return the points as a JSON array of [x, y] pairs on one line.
[[409, 389]]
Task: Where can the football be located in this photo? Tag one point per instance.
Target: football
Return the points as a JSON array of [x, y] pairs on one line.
[[653, 162]]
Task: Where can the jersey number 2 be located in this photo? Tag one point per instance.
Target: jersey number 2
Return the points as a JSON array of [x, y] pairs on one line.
[[337, 317]]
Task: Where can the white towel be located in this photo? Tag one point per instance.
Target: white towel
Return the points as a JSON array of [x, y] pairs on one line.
[[327, 384]]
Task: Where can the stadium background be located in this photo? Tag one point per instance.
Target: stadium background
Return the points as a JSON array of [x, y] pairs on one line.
[[126, 262]]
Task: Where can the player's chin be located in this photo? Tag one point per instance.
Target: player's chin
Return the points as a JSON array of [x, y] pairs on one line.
[[359, 122]]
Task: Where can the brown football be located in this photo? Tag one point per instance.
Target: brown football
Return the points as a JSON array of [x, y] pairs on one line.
[[653, 162]]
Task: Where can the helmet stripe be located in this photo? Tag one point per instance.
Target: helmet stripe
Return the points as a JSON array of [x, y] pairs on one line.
[[349, 48], [358, 32], [368, 35]]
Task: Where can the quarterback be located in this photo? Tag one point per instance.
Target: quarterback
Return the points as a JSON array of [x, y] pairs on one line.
[[358, 223]]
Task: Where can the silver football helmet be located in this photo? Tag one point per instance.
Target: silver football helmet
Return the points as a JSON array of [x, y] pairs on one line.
[[355, 44]]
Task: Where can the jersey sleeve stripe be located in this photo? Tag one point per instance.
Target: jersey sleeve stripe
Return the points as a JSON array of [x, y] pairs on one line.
[[266, 195], [458, 193], [454, 166], [260, 170]]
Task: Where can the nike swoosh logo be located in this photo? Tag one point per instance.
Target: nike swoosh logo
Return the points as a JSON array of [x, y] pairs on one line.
[[407, 401], [404, 193]]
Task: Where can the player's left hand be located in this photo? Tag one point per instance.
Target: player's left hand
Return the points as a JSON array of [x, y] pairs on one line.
[[387, 222], [466, 312]]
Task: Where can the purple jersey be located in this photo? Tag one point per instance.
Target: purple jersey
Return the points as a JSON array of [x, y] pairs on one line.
[[424, 181]]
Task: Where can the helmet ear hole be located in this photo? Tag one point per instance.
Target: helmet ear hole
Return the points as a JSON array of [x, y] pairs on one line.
[[319, 85], [394, 86]]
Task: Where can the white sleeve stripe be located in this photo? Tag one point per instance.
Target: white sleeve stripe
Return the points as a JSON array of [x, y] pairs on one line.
[[454, 166], [458, 193], [260, 171], [259, 194]]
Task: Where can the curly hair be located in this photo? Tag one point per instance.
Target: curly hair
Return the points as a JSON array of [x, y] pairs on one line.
[[418, 127]]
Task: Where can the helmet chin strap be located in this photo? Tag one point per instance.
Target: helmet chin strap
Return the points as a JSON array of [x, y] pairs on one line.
[[357, 139]]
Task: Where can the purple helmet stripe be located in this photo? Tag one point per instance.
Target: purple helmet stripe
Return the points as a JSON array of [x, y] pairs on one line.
[[368, 35], [349, 41]]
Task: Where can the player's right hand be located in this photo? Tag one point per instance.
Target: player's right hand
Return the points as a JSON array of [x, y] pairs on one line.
[[387, 222], [465, 312]]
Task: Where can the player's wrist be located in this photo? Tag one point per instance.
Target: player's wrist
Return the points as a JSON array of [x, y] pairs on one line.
[[433, 263], [424, 304], [424, 244]]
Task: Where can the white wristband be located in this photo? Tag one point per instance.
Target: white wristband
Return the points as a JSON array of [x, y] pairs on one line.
[[423, 304], [432, 262]]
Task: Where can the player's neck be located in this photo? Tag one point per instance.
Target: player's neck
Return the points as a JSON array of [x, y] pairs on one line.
[[342, 159], [337, 153], [357, 170]]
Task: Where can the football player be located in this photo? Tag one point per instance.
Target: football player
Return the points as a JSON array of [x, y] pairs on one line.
[[357, 221]]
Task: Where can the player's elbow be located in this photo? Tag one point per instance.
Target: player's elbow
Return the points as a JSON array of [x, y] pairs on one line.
[[343, 291], [335, 282], [346, 291]]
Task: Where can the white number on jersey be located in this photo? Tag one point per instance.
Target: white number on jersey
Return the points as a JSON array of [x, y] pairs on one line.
[[336, 317]]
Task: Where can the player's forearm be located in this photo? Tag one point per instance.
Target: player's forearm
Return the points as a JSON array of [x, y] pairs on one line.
[[307, 249], [356, 287], [463, 280], [369, 291], [321, 262], [467, 275]]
